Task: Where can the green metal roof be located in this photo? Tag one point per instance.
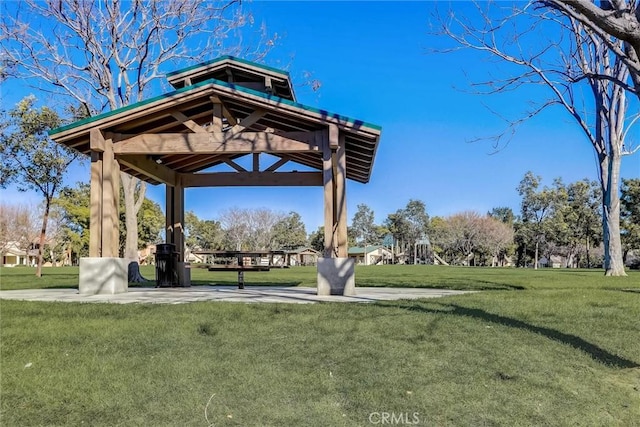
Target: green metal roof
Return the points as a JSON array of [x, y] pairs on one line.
[[225, 58], [126, 108], [325, 113]]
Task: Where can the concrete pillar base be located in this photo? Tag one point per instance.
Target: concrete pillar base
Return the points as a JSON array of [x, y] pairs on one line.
[[336, 276], [103, 276]]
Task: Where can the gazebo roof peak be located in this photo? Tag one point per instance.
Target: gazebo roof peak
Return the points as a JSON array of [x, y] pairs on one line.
[[236, 71]]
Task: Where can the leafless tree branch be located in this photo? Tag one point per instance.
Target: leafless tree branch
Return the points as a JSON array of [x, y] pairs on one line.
[[565, 68]]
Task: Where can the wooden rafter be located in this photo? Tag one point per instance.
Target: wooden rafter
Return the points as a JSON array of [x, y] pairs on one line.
[[145, 165], [277, 165], [225, 111], [248, 121], [195, 127], [234, 165]]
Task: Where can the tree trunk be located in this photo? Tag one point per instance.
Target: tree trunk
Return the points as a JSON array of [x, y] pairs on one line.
[[588, 259], [43, 233], [569, 263], [610, 176], [535, 261], [132, 206]]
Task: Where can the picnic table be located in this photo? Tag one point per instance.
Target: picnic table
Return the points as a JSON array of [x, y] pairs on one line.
[[242, 261]]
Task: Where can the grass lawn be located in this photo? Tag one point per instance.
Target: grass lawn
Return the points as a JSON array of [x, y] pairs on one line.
[[546, 347]]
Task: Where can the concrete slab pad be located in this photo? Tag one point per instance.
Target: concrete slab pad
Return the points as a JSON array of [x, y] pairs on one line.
[[250, 294]]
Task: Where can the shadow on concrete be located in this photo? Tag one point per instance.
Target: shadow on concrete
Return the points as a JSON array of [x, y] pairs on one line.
[[232, 282], [596, 353]]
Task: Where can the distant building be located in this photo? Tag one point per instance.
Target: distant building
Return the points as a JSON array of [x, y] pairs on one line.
[[12, 255], [554, 261], [371, 255], [303, 256]]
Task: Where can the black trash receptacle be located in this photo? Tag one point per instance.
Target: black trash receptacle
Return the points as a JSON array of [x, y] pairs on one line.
[[166, 272]]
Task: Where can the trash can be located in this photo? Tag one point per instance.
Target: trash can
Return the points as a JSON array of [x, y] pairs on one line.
[[166, 274]]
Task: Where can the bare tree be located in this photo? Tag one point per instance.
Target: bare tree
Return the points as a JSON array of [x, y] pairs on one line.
[[574, 59], [263, 221], [18, 225], [612, 21], [464, 227], [103, 55], [495, 237], [235, 225], [468, 237], [250, 229]]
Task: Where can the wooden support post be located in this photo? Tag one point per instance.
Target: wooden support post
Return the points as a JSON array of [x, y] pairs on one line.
[[105, 195], [178, 227], [110, 202], [103, 272], [175, 218], [335, 203], [115, 184], [168, 209], [336, 273], [95, 208], [340, 203], [327, 175]]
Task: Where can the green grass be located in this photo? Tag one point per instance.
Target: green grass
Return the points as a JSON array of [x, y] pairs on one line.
[[466, 278], [549, 347]]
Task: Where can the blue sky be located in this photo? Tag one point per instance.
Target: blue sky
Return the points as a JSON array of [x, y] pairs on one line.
[[374, 62]]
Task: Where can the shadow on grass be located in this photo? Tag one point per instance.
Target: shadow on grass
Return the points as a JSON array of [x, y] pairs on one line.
[[596, 353], [496, 286], [455, 284]]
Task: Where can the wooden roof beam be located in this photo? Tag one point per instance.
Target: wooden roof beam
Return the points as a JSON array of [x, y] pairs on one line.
[[149, 168], [214, 143], [252, 179]]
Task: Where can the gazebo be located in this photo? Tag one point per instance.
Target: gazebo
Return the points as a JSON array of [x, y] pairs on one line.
[[220, 111]]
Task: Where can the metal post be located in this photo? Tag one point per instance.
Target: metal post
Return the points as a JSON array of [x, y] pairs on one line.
[[240, 272], [241, 279]]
